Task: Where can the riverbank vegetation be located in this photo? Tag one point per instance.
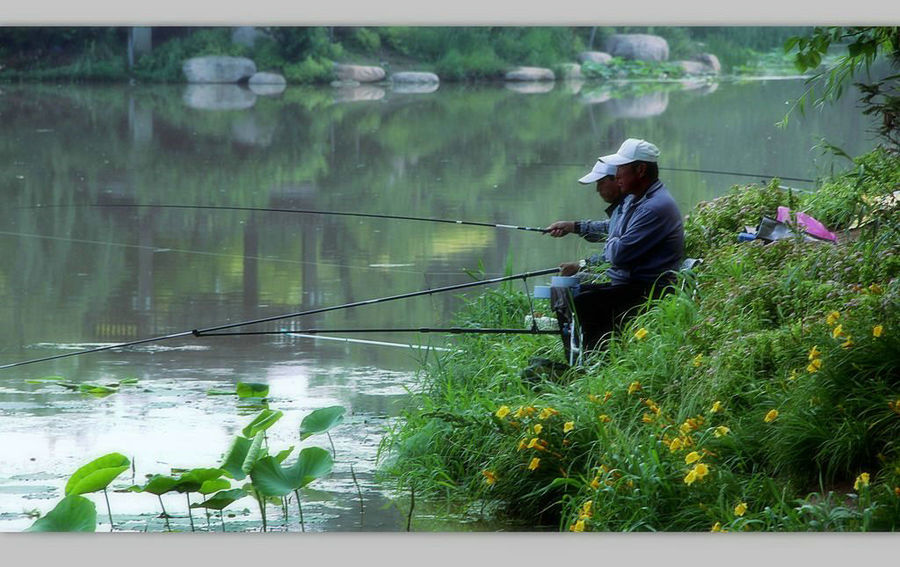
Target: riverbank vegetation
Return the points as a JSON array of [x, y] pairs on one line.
[[305, 55], [763, 395]]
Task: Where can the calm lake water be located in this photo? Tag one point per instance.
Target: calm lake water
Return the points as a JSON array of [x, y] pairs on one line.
[[74, 275]]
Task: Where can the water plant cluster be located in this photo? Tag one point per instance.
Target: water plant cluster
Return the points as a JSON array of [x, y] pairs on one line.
[[763, 395], [249, 459]]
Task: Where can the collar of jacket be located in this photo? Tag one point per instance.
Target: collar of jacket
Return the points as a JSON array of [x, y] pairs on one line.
[[612, 207]]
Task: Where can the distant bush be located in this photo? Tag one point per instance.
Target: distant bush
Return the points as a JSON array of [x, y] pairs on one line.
[[483, 64], [310, 70]]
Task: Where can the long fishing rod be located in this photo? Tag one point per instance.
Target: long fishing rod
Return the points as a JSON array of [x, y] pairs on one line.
[[448, 330], [301, 211], [201, 332], [712, 171]]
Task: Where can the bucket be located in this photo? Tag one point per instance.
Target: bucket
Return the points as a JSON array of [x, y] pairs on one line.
[[563, 281], [542, 292]]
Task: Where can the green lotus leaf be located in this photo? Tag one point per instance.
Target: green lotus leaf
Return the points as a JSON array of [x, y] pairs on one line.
[[282, 455], [158, 485], [270, 479], [252, 390], [97, 474], [45, 380], [264, 420], [313, 463], [214, 485], [321, 420], [234, 460], [192, 480], [72, 514], [96, 389], [221, 499], [254, 452]]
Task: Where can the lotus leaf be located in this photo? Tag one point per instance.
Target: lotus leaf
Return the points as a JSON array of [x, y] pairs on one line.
[[270, 479], [321, 420], [221, 499], [72, 514], [252, 390], [97, 474], [264, 420]]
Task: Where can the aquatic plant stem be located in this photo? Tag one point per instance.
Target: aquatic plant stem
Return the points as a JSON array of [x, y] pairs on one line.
[[109, 511], [222, 519], [208, 525], [412, 505], [300, 509], [262, 510], [165, 515], [284, 512], [333, 452], [362, 508], [191, 516]]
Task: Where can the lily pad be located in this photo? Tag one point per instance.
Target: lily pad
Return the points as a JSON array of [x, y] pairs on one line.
[[221, 499], [321, 420], [264, 420], [252, 390], [72, 514]]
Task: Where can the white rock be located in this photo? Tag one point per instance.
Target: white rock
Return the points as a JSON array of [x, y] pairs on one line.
[[709, 59], [414, 77], [218, 69], [358, 73], [594, 57], [530, 74], [638, 46]]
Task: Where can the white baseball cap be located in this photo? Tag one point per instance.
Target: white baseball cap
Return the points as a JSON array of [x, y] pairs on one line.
[[600, 171], [631, 150]]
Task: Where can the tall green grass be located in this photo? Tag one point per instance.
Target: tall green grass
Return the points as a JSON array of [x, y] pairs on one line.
[[759, 396]]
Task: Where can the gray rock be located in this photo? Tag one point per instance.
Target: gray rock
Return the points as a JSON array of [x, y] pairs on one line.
[[414, 77], [218, 97], [638, 46], [709, 59], [530, 74], [571, 71], [267, 79], [358, 73], [695, 68], [218, 69], [594, 57]]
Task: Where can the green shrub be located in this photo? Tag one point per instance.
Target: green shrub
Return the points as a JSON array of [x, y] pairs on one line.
[[309, 70]]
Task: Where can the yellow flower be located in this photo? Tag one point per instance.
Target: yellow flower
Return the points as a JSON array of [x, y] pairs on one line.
[[861, 481], [814, 365], [717, 527], [877, 330], [676, 444], [634, 387], [770, 417], [605, 418], [577, 526], [607, 396], [640, 333], [701, 470], [698, 360], [547, 412], [793, 375], [692, 457], [502, 412], [716, 407], [534, 443], [875, 288], [690, 477], [593, 398], [832, 318], [538, 428], [647, 418], [568, 426], [837, 332], [586, 510], [521, 445], [848, 343], [721, 431], [895, 406], [595, 484], [814, 353], [534, 464], [489, 477], [740, 509]]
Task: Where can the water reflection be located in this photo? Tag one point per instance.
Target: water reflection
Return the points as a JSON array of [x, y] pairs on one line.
[[218, 97]]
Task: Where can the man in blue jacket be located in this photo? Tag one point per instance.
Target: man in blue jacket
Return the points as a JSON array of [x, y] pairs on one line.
[[644, 247]]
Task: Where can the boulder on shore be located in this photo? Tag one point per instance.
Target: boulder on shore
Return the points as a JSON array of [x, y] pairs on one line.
[[571, 71], [643, 47], [218, 69], [264, 78], [709, 59], [696, 68], [414, 77], [358, 73], [594, 57], [530, 74]]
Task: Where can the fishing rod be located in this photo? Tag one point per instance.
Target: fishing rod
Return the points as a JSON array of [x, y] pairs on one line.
[[299, 211], [448, 330], [202, 332], [712, 171]]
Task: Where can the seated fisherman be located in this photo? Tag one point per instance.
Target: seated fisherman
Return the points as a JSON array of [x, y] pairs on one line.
[[644, 246]]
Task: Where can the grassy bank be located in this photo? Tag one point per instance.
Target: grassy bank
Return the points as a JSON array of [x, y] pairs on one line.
[[763, 396]]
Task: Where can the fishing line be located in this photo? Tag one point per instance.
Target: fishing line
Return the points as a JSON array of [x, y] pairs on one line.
[[376, 343], [298, 211], [201, 332], [447, 330], [712, 171]]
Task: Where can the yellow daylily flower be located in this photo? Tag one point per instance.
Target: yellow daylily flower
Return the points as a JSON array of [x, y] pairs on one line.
[[521, 445], [716, 407], [698, 360], [861, 481], [533, 443], [676, 444], [690, 477], [586, 510], [640, 333], [547, 412], [837, 332], [489, 477], [814, 353], [877, 330], [814, 365], [717, 527], [895, 406], [771, 416], [607, 396], [701, 470], [832, 318], [875, 288], [605, 418], [647, 418], [577, 526], [502, 412], [692, 457], [595, 484], [568, 426], [848, 343], [534, 464], [634, 387], [721, 431], [740, 509], [538, 428]]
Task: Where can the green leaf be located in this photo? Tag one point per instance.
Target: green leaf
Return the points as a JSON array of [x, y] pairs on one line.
[[214, 485], [97, 474], [252, 390], [270, 479], [221, 392], [281, 456], [192, 480], [72, 514], [264, 420], [222, 499], [234, 460], [45, 379], [96, 389], [253, 453], [313, 463], [128, 381], [321, 420], [158, 485]]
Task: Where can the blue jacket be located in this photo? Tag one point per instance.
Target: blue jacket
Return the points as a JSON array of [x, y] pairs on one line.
[[594, 231], [648, 240]]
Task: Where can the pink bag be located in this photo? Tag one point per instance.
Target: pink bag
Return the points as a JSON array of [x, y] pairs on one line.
[[810, 225]]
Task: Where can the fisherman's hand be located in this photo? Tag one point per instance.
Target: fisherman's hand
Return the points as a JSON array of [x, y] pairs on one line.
[[561, 228], [568, 268]]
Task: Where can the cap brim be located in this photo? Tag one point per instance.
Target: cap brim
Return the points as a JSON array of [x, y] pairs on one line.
[[591, 177], [616, 159]]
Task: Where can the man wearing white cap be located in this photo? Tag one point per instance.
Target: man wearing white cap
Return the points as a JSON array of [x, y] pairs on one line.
[[604, 175], [644, 247]]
